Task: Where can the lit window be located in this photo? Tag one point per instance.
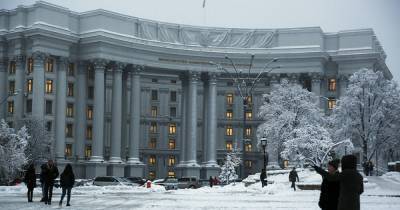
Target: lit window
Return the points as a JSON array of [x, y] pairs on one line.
[[10, 107], [152, 175], [88, 151], [29, 85], [172, 128], [154, 111], [172, 111], [153, 127], [331, 103], [332, 84], [229, 114], [248, 163], [12, 68], [89, 112], [152, 160], [248, 147], [30, 65], [248, 131], [68, 130], [154, 95], [171, 144], [71, 69], [89, 132], [229, 98], [249, 100], [29, 105], [70, 90], [249, 115], [229, 130], [70, 110], [49, 86], [152, 143], [49, 65], [171, 160], [11, 87], [173, 96], [49, 107], [229, 146], [171, 174], [68, 150]]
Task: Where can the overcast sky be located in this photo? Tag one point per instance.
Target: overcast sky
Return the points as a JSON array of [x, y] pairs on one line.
[[331, 15]]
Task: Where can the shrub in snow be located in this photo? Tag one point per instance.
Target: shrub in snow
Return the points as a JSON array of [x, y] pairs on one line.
[[228, 170]]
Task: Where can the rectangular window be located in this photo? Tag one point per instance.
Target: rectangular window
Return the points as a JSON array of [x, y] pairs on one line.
[[171, 160], [10, 107], [49, 86], [248, 163], [48, 126], [229, 98], [152, 175], [90, 92], [171, 144], [228, 146], [248, 132], [332, 84], [11, 87], [29, 85], [152, 160], [331, 103], [153, 127], [173, 96], [68, 130], [154, 95], [88, 151], [70, 89], [29, 105], [89, 112], [172, 111], [90, 72], [249, 100], [154, 111], [49, 107], [89, 132], [71, 69], [30, 65], [70, 110], [171, 174], [229, 130], [12, 68], [172, 128], [68, 150], [154, 80], [249, 114], [173, 81], [153, 143], [49, 65], [248, 147], [229, 114]]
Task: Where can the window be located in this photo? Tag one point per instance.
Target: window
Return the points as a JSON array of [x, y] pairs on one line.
[[70, 110], [10, 107], [331, 103], [49, 65], [90, 72], [30, 65], [68, 130], [173, 81], [29, 85], [49, 86], [248, 147], [10, 124], [71, 69], [248, 163], [49, 107], [249, 114], [229, 114], [173, 96], [89, 112], [171, 144], [332, 84], [152, 175], [172, 128], [48, 125], [307, 85], [13, 67], [89, 132], [11, 87], [70, 89], [153, 127], [229, 84], [171, 160], [248, 131], [228, 146], [152, 143], [154, 95], [171, 174], [29, 105], [229, 98], [154, 111], [90, 92], [249, 100], [152, 160], [229, 130], [172, 111], [88, 151], [154, 80], [68, 150]]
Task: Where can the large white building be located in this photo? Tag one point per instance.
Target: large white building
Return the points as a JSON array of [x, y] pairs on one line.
[[135, 97]]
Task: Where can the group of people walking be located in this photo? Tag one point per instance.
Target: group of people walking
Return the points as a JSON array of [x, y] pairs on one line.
[[49, 172], [368, 168], [213, 181]]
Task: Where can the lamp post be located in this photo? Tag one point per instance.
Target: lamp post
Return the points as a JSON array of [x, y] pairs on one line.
[[16, 92], [245, 84], [264, 145]]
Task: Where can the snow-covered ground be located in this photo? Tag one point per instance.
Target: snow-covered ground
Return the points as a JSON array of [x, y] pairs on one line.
[[380, 193]]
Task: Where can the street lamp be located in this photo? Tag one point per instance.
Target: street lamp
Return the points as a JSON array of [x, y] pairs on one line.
[[13, 94], [263, 141]]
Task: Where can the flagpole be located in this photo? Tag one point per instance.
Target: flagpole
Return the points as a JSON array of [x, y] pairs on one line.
[[204, 13]]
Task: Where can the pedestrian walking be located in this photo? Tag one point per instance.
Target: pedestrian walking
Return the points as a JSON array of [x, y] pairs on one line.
[[351, 183], [30, 181], [42, 178], [263, 176], [51, 173], [328, 199], [216, 181], [211, 181], [370, 168], [67, 180], [293, 176]]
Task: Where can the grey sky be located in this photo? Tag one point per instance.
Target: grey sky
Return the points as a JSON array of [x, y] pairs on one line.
[[331, 15]]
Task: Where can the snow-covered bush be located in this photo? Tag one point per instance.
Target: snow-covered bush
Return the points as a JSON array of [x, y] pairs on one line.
[[228, 170]]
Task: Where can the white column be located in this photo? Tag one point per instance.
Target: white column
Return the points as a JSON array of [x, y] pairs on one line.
[[212, 120], [81, 105], [19, 86], [272, 152], [98, 111], [316, 89], [61, 100], [205, 121], [183, 109], [3, 87], [192, 119], [116, 115], [38, 86]]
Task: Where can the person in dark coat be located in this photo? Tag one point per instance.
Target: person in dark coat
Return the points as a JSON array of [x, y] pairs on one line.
[[263, 176], [351, 183], [51, 173], [67, 180], [211, 181], [30, 181], [42, 178], [328, 199], [293, 177]]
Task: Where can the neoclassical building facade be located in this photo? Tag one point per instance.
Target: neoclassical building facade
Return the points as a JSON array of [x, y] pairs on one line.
[[126, 96]]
